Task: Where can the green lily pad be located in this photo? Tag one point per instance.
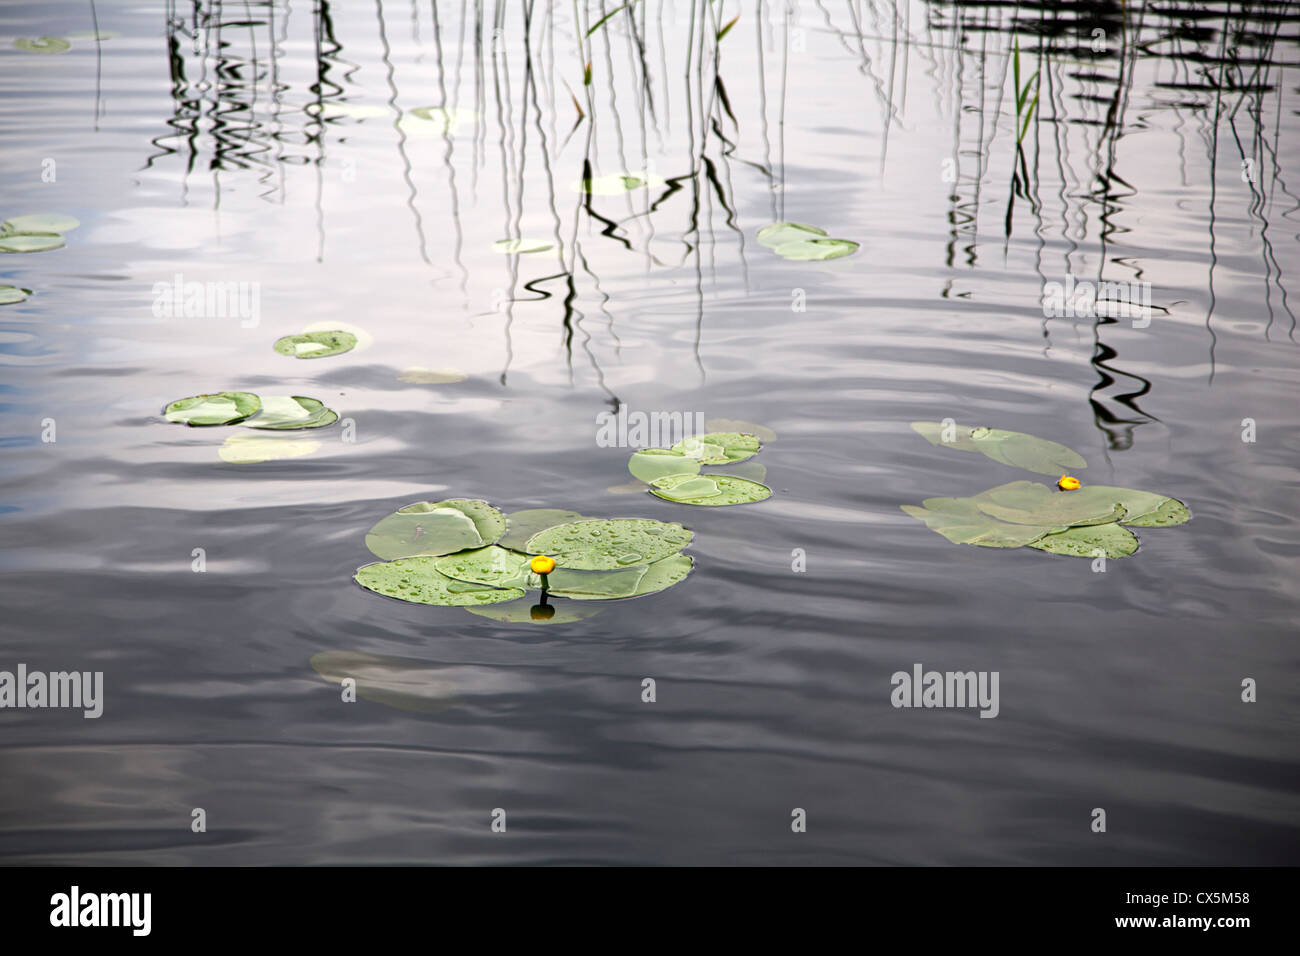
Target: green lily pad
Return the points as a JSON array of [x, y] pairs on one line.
[[617, 183], [492, 566], [520, 246], [751, 470], [1017, 449], [761, 432], [816, 250], [396, 682], [1031, 503], [436, 528], [1111, 539], [718, 448], [11, 294], [213, 408], [651, 463], [527, 611], [313, 345], [598, 544], [418, 580], [290, 412], [30, 241], [782, 233], [43, 45], [712, 489], [1170, 512], [961, 522], [253, 449], [41, 222], [522, 525], [596, 585]]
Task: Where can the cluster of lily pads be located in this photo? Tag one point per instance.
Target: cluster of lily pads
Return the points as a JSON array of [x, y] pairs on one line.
[[795, 240], [463, 552], [35, 233], [1070, 519], [675, 474]]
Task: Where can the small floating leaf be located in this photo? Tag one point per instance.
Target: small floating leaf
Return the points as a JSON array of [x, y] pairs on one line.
[[718, 448], [431, 376], [751, 470], [1017, 449], [11, 294], [711, 489], [417, 579], [522, 525], [780, 233], [520, 246], [252, 449], [364, 338], [1170, 512], [290, 412], [761, 432], [596, 585], [214, 408], [41, 222], [43, 45], [436, 528], [312, 345], [392, 681], [1110, 539], [607, 544], [30, 241], [651, 463], [816, 250]]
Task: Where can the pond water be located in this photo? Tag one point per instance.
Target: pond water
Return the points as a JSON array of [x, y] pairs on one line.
[[276, 145]]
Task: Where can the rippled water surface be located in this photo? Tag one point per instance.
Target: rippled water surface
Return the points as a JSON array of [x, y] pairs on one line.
[[274, 143]]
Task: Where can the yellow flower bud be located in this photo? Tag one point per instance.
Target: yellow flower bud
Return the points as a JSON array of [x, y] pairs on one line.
[[542, 564], [1067, 483]]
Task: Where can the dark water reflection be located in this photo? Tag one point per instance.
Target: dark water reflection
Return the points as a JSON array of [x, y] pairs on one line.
[[275, 143]]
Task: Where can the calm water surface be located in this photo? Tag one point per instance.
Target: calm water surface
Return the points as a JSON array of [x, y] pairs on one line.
[[273, 143]]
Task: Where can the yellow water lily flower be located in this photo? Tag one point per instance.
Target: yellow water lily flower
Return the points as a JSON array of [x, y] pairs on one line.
[[1069, 483], [542, 564]]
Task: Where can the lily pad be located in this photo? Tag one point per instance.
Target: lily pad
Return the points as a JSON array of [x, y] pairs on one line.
[[522, 525], [313, 345], [615, 184], [1017, 449], [291, 412], [418, 580], [752, 470], [43, 45], [1031, 503], [41, 222], [364, 338], [492, 566], [520, 246], [816, 250], [651, 463], [761, 432], [598, 544], [213, 408], [11, 294], [253, 449], [30, 241], [436, 528], [1111, 539], [718, 448], [961, 522], [397, 682], [712, 489], [1170, 512], [782, 233], [431, 376], [527, 611]]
